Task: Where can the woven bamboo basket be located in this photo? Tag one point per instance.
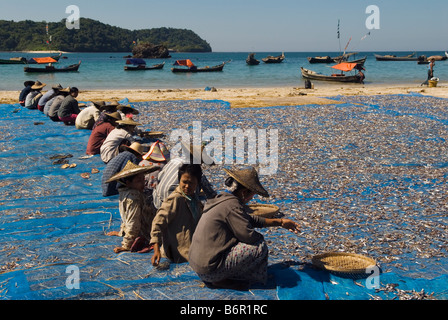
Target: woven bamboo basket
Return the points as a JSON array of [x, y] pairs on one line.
[[348, 263], [264, 210]]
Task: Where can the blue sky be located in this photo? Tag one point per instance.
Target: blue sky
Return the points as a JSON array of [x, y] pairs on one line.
[[248, 25]]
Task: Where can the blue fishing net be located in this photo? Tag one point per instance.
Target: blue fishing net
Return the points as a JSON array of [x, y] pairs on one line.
[[54, 220]]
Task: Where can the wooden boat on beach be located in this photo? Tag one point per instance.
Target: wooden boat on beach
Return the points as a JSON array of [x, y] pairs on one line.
[[271, 59], [312, 75], [251, 60], [140, 64], [191, 68], [388, 57], [51, 69]]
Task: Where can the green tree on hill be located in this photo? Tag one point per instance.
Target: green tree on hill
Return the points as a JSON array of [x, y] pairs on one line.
[[93, 36]]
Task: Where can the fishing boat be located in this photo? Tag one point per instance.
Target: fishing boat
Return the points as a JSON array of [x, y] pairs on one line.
[[251, 60], [191, 68], [271, 59], [55, 57], [19, 60], [357, 61], [341, 58], [425, 60], [324, 59], [52, 69], [338, 77], [140, 64], [389, 57], [23, 60]]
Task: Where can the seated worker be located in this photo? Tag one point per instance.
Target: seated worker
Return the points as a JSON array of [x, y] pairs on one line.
[[124, 131], [226, 251], [50, 94], [88, 116], [136, 216], [100, 133], [109, 107], [132, 153], [168, 178], [69, 109], [25, 91], [32, 99], [55, 103], [175, 222]]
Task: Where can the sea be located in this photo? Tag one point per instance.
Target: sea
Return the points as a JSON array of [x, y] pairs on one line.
[[105, 70]]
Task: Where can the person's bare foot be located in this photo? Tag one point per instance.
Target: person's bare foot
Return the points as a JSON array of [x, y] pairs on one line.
[[112, 233]]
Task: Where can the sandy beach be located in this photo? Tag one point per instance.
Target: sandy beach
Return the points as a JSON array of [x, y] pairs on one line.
[[249, 97]]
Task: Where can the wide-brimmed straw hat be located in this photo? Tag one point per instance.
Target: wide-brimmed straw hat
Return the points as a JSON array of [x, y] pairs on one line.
[[57, 87], [99, 104], [136, 148], [65, 90], [114, 115], [248, 178], [132, 169], [157, 152], [127, 109], [128, 122], [38, 85], [189, 149]]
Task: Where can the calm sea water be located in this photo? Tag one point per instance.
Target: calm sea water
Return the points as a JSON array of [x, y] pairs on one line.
[[106, 71]]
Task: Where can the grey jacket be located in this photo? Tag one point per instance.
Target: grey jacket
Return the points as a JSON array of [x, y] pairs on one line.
[[224, 223]]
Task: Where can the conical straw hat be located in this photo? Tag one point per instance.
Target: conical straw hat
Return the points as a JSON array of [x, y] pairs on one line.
[[249, 179], [132, 169]]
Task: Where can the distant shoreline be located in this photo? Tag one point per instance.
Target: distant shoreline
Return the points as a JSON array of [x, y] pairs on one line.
[[247, 97]]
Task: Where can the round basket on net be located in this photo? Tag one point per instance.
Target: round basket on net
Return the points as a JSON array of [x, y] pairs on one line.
[[348, 263], [264, 210]]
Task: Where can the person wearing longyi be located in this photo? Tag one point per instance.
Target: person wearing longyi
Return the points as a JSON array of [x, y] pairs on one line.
[[226, 251], [136, 216], [69, 109]]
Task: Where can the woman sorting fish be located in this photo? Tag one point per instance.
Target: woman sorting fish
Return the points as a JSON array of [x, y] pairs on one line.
[[226, 250]]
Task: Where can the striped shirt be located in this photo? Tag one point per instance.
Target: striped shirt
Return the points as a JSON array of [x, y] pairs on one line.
[[169, 180]]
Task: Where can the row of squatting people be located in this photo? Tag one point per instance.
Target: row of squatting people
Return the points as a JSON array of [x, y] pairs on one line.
[[217, 238]]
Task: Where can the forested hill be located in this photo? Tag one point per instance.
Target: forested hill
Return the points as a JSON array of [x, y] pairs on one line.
[[93, 36]]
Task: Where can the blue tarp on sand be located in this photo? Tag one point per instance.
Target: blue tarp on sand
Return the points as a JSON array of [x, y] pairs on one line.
[[53, 224]]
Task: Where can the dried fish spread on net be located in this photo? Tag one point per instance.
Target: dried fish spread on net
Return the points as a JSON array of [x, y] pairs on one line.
[[366, 176]]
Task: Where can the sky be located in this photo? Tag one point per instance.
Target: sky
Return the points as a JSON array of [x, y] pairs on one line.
[[267, 26]]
